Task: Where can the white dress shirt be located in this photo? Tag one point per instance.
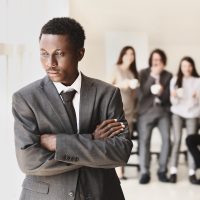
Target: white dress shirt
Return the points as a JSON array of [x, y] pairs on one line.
[[76, 100]]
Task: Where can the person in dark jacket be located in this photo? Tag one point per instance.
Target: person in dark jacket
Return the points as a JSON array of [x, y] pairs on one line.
[[154, 111], [70, 130], [193, 144]]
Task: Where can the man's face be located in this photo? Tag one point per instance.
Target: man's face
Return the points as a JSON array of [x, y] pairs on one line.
[[157, 63], [59, 58]]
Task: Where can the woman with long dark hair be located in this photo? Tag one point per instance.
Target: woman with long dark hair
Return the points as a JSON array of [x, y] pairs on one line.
[[185, 99], [126, 78]]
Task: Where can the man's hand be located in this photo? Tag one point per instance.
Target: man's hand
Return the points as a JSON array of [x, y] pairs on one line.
[[161, 90], [48, 141], [157, 89], [108, 129]]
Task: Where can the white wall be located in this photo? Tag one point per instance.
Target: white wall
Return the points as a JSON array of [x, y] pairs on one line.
[[115, 41], [169, 24], [20, 21]]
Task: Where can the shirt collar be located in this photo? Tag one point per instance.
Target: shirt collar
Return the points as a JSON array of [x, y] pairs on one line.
[[76, 85]]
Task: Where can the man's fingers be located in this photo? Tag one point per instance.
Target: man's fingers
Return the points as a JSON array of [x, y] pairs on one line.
[[112, 125], [45, 136], [106, 122], [111, 131], [107, 128], [115, 133], [42, 137]]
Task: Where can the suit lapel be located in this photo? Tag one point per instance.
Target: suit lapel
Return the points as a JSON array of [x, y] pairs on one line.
[[162, 78], [52, 96], [87, 100]]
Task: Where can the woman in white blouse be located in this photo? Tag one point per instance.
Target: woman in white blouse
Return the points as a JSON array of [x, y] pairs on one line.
[[185, 99]]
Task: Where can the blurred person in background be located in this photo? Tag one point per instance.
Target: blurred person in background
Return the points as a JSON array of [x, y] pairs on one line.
[[154, 111], [185, 99], [126, 79], [193, 144]]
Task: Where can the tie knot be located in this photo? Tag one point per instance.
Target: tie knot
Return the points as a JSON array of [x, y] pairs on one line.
[[68, 96]]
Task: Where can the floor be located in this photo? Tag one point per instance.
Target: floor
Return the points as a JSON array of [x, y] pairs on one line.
[[156, 190]]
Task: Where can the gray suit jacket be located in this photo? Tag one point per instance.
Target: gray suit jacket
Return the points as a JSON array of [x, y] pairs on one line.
[[146, 98], [80, 168]]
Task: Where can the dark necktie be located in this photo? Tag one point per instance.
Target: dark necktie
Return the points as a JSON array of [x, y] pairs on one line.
[[67, 98]]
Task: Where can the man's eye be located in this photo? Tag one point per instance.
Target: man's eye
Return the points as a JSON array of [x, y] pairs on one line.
[[59, 54], [44, 54]]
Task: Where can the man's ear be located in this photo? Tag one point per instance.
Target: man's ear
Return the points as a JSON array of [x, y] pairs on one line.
[[81, 53]]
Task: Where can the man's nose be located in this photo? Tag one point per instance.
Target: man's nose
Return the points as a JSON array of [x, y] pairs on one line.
[[51, 62]]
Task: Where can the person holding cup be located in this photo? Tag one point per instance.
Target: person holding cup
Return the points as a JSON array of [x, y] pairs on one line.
[[154, 111], [126, 78], [185, 99]]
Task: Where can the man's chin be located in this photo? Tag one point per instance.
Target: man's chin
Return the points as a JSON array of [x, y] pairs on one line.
[[55, 79]]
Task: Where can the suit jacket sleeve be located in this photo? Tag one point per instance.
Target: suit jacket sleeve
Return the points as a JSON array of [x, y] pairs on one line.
[[165, 96], [146, 81], [80, 149], [31, 157]]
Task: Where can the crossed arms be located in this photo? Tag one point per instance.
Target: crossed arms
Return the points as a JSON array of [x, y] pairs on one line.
[[46, 154]]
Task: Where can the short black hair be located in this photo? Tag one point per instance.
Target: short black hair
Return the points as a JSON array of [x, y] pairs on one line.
[[65, 26], [162, 55]]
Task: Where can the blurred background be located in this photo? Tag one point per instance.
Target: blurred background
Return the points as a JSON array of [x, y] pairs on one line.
[[172, 25]]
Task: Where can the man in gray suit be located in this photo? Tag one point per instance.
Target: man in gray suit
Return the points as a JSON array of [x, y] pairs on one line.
[[154, 110], [70, 130]]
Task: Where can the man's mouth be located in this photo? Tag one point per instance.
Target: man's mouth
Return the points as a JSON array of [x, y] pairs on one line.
[[53, 73]]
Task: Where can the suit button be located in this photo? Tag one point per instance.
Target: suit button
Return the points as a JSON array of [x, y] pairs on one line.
[[72, 159], [76, 159], [67, 157], [71, 194]]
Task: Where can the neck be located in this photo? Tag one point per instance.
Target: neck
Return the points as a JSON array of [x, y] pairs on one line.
[[70, 80], [124, 66], [187, 76]]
